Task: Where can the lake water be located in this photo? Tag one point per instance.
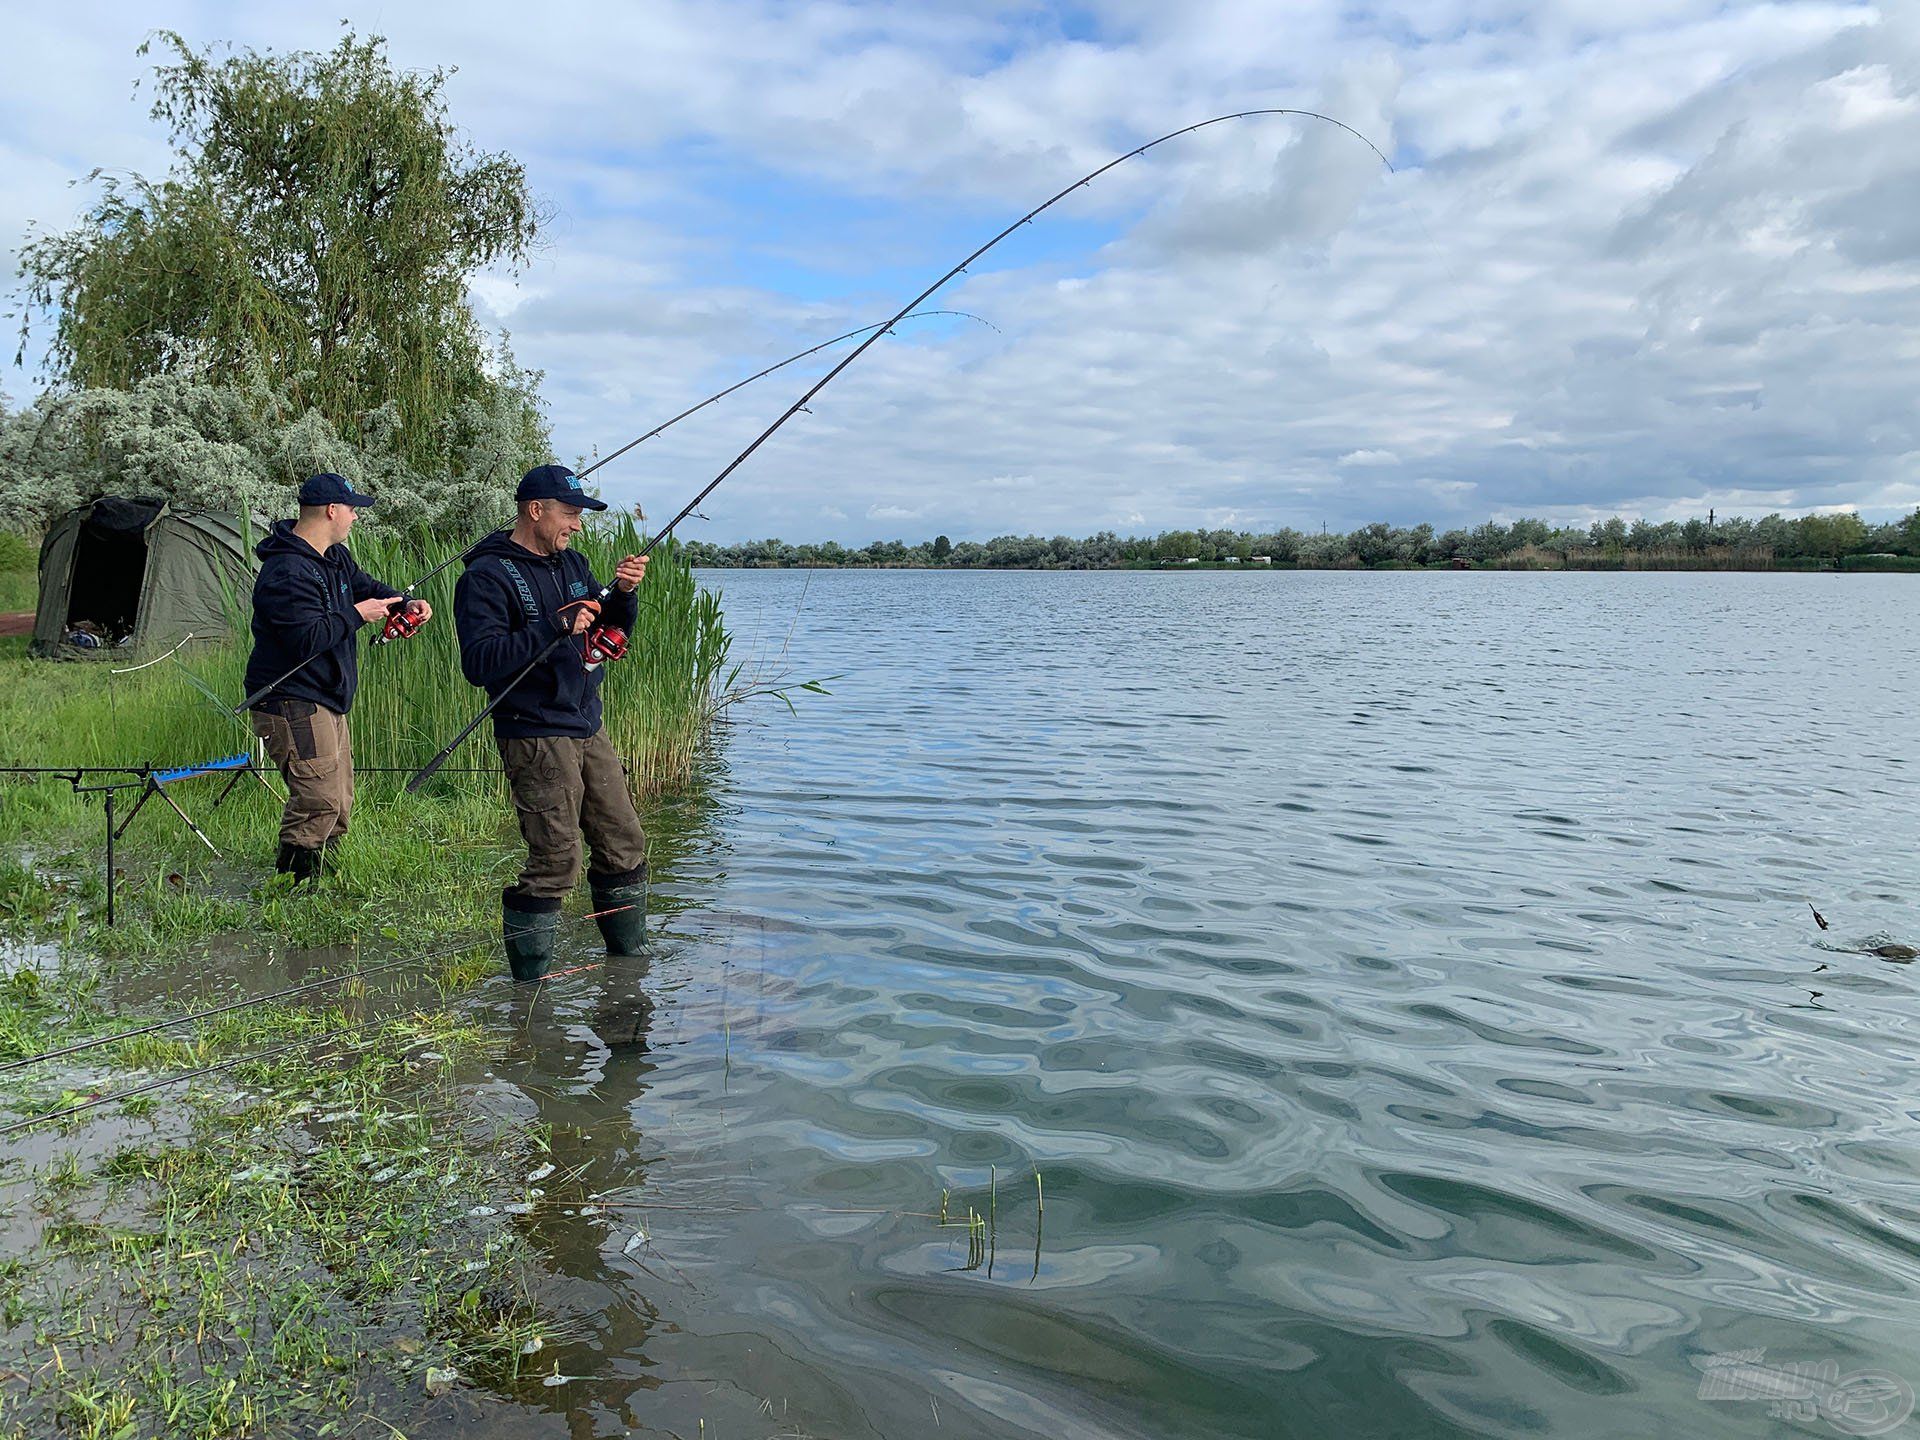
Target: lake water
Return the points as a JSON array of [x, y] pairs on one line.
[[1403, 985]]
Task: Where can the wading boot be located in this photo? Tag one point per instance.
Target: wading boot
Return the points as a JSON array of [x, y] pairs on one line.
[[529, 926], [300, 861], [620, 910]]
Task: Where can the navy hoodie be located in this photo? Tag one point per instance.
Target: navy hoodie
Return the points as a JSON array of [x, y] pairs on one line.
[[303, 602], [507, 608]]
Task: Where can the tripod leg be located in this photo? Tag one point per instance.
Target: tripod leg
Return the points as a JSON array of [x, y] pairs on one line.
[[151, 790], [110, 835], [227, 789], [188, 821]]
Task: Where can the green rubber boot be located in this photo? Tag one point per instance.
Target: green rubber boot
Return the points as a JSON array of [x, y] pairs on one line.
[[529, 927], [302, 862], [620, 910]]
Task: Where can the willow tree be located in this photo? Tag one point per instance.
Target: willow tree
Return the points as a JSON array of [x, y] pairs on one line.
[[321, 221]]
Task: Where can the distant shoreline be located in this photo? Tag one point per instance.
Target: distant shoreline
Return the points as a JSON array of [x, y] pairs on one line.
[[1849, 565]]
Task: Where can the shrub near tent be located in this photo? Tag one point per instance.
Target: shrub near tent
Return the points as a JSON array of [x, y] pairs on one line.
[[137, 575]]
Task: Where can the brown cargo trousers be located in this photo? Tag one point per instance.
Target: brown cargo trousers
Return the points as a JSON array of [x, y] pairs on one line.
[[563, 786], [311, 746]]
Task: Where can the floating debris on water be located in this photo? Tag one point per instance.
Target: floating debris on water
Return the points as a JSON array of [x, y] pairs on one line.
[[540, 1174], [439, 1381], [480, 1212]]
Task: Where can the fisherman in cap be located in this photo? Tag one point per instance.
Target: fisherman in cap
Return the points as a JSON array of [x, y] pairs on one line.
[[521, 590], [311, 599]]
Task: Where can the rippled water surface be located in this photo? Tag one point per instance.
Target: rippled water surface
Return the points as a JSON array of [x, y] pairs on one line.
[[1403, 986]]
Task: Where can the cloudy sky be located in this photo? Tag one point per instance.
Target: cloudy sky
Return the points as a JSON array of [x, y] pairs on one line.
[[1633, 256]]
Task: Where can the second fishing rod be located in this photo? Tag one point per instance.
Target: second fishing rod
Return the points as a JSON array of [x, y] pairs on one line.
[[402, 621]]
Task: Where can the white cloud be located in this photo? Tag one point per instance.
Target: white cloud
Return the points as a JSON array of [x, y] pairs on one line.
[[1635, 254]]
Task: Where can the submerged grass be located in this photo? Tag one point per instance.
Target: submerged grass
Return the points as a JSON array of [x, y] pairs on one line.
[[983, 1224], [327, 1238]]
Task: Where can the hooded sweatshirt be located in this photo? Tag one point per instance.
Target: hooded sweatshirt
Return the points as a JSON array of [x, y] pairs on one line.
[[507, 608], [302, 603]]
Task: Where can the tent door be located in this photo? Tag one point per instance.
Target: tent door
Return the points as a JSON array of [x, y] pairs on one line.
[[109, 569]]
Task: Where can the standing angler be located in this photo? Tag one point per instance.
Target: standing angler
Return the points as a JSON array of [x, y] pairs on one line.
[[521, 590], [310, 600]]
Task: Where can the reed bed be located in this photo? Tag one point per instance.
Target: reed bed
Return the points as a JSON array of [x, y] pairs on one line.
[[1670, 557]]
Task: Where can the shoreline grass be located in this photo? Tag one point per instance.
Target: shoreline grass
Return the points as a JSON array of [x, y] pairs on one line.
[[223, 1257], [327, 1231]]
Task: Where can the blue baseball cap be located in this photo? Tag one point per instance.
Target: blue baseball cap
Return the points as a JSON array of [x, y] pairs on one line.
[[555, 482], [330, 490]]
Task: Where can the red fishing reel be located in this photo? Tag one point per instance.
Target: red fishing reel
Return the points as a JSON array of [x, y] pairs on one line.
[[604, 643], [403, 623]]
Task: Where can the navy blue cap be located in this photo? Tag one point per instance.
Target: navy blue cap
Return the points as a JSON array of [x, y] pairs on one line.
[[555, 482], [330, 490]]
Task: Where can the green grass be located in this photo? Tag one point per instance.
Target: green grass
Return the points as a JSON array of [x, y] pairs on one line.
[[19, 590], [19, 573], [415, 868]]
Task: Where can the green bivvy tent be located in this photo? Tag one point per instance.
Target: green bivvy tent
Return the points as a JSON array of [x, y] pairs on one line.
[[123, 575]]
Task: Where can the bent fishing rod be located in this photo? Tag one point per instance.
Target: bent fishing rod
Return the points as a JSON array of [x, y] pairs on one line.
[[400, 602], [427, 771]]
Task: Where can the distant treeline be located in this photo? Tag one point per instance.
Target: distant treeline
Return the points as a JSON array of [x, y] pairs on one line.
[[1733, 543]]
